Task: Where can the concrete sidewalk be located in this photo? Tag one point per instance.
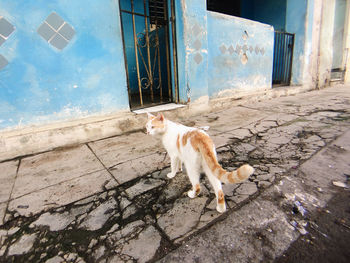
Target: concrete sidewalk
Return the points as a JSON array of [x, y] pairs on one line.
[[104, 200]]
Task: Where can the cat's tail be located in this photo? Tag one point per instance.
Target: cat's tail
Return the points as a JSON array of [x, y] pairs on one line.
[[236, 176], [206, 147]]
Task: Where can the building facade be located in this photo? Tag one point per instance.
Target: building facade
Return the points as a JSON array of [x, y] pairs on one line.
[[78, 61]]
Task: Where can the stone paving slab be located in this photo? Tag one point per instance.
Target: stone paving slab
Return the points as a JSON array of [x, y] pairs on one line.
[[23, 245], [62, 193], [144, 247], [182, 219], [299, 104], [54, 167], [3, 207], [7, 179], [230, 119], [134, 168], [330, 162], [281, 118], [221, 139], [143, 186], [232, 242], [117, 150]]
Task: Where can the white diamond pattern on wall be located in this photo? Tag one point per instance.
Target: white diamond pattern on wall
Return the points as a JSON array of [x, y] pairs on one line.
[[56, 31], [3, 62], [6, 29]]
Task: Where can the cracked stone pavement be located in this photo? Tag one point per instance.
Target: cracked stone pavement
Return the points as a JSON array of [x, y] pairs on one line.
[[110, 200]]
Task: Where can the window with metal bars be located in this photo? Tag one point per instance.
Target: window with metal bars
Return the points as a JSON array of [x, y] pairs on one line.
[[157, 12]]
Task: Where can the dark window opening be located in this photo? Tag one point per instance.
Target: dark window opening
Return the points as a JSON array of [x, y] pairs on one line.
[[157, 12], [228, 7], [272, 12]]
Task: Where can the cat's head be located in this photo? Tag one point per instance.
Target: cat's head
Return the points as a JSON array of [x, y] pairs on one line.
[[155, 124]]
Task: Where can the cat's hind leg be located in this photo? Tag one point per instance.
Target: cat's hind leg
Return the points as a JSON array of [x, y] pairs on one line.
[[216, 183], [193, 174], [220, 197]]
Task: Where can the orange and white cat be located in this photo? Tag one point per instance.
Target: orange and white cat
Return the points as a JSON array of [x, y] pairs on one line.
[[196, 150]]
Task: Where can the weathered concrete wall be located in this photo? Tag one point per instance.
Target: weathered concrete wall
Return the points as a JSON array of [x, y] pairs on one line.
[[338, 34], [240, 55], [326, 43], [311, 46], [347, 43], [44, 80]]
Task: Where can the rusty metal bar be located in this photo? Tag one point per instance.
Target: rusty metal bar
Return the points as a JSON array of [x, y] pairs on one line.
[[125, 60], [136, 55], [172, 20], [159, 70], [132, 13], [291, 58], [166, 28], [150, 74], [285, 57]]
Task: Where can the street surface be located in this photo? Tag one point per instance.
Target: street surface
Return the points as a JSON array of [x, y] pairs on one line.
[[110, 200]]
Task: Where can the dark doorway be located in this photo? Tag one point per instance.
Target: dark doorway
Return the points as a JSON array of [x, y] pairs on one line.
[[146, 38], [228, 7], [282, 58], [272, 12]]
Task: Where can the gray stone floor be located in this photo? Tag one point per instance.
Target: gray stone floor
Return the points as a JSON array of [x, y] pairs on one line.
[[110, 200]]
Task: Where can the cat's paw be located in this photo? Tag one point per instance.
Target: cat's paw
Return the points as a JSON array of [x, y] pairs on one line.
[[221, 208], [191, 194], [171, 175]]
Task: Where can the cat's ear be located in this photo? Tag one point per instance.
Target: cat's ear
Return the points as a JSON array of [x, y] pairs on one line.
[[160, 117]]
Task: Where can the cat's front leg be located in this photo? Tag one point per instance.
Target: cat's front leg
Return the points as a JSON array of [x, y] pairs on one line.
[[175, 165], [180, 165]]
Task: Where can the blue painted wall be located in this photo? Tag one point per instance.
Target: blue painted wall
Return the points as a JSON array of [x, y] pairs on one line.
[[240, 54], [42, 84]]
